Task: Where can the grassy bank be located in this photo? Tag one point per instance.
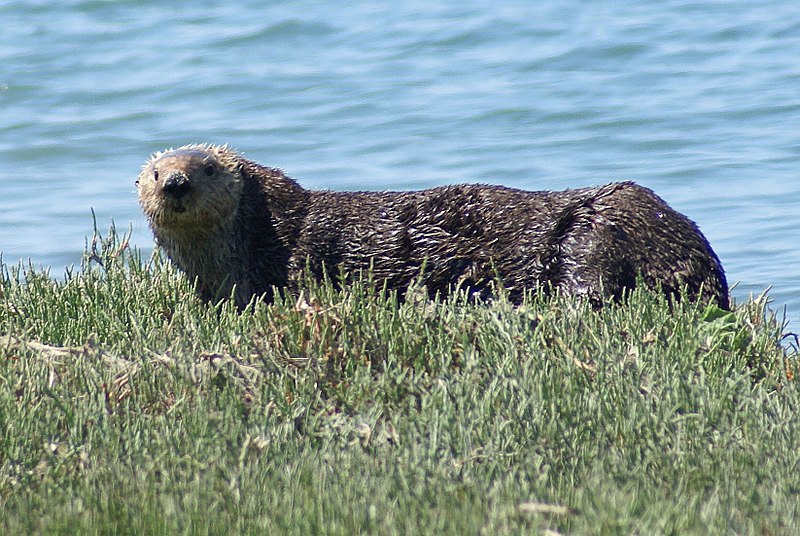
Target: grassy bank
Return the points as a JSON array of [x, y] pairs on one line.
[[127, 406]]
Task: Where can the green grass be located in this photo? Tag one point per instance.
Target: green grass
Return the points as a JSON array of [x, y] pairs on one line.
[[129, 407]]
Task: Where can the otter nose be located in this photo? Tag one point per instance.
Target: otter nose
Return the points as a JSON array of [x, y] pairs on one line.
[[177, 185]]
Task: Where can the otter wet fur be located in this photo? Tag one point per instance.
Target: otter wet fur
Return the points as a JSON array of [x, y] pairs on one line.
[[241, 229]]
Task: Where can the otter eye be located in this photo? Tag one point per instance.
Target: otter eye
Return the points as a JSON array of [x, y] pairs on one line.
[[209, 169], [155, 175]]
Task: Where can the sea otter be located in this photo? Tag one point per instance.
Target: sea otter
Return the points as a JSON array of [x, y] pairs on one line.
[[243, 230]]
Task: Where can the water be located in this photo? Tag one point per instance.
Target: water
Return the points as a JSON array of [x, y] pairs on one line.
[[696, 100]]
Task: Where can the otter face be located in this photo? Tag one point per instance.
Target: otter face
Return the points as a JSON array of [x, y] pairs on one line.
[[194, 187]]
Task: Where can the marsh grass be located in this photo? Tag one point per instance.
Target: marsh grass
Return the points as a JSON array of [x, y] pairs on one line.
[[128, 406]]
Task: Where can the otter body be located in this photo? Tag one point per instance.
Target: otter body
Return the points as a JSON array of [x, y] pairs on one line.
[[242, 229]]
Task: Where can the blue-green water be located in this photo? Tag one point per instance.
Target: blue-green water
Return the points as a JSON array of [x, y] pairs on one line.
[[699, 101]]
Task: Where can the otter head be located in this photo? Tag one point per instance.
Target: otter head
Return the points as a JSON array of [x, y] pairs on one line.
[[194, 189]]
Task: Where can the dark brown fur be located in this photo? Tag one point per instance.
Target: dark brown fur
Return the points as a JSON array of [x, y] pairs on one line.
[[228, 221]]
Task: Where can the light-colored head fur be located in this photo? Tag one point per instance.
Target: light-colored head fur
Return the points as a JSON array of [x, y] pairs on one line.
[[191, 196], [224, 220], [212, 181]]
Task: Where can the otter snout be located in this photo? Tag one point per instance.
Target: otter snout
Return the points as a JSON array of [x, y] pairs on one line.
[[176, 185]]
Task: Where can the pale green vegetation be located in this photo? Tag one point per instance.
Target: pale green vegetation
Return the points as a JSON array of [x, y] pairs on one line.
[[127, 406]]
